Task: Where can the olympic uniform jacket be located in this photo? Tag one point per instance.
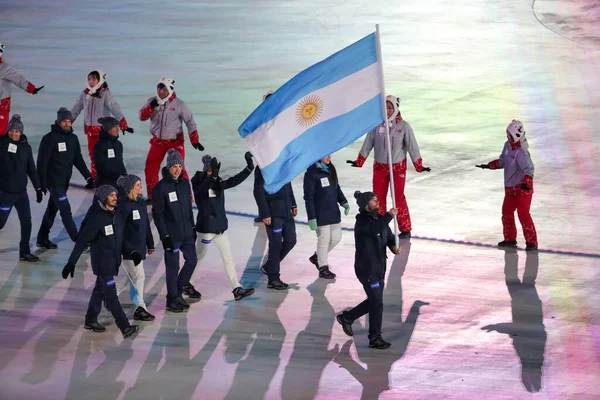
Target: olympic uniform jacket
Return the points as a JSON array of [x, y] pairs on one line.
[[98, 105], [137, 232], [322, 195], [172, 208], [402, 141], [59, 151], [518, 167], [276, 205], [166, 120], [16, 163], [103, 230], [108, 157], [8, 77], [372, 234], [209, 193]]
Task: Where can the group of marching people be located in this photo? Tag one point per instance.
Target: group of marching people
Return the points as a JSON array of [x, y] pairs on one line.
[[117, 228]]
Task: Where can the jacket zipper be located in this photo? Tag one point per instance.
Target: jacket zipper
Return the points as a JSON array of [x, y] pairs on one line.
[[162, 117]]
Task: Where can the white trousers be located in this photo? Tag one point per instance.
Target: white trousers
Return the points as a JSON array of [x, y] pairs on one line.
[[222, 243], [328, 236], [137, 275]]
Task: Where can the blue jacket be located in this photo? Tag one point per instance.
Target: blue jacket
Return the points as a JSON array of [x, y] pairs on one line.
[[210, 199], [372, 234], [276, 205], [16, 165], [138, 234], [103, 230], [322, 195], [172, 208], [108, 157]]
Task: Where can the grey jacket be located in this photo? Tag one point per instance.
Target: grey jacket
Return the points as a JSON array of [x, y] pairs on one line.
[[402, 140], [97, 106], [165, 120], [8, 77], [516, 163]]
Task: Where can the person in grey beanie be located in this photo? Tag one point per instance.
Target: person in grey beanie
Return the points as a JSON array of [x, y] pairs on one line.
[[16, 164], [108, 153], [174, 219], [59, 151], [372, 234]]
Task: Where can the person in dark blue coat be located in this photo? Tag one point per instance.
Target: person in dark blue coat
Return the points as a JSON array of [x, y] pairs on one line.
[[372, 234], [138, 240], [211, 223], [322, 197], [59, 151], [277, 211], [103, 231], [16, 164], [174, 219], [108, 154]]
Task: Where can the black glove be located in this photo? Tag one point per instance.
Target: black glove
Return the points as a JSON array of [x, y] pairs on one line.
[[136, 258], [90, 183], [68, 269], [198, 146], [154, 103], [44, 190], [524, 186], [39, 196], [248, 157], [426, 169], [215, 166], [483, 166], [37, 89], [130, 130], [167, 243], [352, 163]]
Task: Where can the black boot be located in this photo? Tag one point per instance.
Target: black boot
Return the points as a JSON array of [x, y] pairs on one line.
[[184, 304], [531, 247], [404, 235], [345, 323], [94, 326], [314, 260], [46, 244], [190, 291], [140, 314], [258, 220], [174, 307], [130, 330], [277, 285], [511, 244], [264, 270], [377, 342], [239, 293], [325, 272], [29, 258]]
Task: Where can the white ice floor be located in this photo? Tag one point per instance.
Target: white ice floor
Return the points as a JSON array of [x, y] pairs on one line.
[[463, 70]]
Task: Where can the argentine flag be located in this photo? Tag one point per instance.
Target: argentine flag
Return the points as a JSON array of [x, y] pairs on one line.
[[319, 111]]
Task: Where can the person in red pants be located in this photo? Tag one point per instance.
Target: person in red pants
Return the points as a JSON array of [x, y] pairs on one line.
[[96, 102], [402, 141], [8, 77], [166, 112], [518, 187]]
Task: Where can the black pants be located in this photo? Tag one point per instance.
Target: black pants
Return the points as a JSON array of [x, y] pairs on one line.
[[58, 201], [106, 290], [20, 201], [176, 279], [373, 305], [282, 239]]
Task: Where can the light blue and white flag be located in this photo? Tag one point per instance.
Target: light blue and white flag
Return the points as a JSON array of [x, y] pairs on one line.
[[319, 111]]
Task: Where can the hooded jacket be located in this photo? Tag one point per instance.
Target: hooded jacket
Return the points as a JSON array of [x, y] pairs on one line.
[[8, 77], [372, 234], [276, 205], [16, 163], [322, 195], [516, 162], [166, 119], [59, 151], [108, 157], [172, 208], [137, 234], [209, 193], [98, 105]]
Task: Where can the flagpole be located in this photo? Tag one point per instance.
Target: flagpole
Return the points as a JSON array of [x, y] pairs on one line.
[[387, 129]]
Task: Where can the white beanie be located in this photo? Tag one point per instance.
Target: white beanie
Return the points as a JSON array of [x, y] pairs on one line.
[[170, 85]]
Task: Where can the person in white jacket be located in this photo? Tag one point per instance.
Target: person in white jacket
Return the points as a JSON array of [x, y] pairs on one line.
[[9, 77]]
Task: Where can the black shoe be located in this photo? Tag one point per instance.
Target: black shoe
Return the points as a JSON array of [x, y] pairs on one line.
[[46, 244], [314, 260], [404, 235], [531, 247], [345, 323], [175, 307], [511, 244], [140, 314], [378, 343], [258, 220], [29, 258], [130, 330], [191, 292], [184, 304], [239, 293], [277, 285], [263, 270], [324, 272], [94, 326]]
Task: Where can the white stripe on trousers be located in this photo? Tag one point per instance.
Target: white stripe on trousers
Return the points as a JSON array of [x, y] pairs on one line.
[[137, 275], [328, 236], [222, 243]]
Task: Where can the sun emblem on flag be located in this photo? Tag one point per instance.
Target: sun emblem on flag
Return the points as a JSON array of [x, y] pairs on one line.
[[309, 110]]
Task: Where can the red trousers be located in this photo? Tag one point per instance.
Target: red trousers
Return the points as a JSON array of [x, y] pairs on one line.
[[156, 154], [4, 115], [520, 201], [381, 183], [92, 141]]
